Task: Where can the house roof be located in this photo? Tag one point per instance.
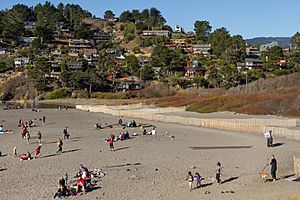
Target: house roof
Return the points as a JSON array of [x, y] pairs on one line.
[[252, 60]]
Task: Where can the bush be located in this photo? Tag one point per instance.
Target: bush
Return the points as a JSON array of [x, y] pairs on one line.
[[59, 93]]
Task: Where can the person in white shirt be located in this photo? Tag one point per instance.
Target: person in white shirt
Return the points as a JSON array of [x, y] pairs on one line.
[[269, 138]]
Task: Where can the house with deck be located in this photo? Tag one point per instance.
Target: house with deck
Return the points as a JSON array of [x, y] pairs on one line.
[[166, 33]]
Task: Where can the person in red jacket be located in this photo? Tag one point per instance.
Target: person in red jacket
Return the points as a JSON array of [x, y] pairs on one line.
[[81, 184]]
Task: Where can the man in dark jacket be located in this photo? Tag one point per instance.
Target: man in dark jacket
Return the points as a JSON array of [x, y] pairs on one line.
[[273, 163]]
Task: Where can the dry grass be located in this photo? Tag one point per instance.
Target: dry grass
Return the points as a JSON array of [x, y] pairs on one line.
[[277, 96]]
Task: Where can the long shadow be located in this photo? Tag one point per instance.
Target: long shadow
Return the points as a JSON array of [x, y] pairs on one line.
[[52, 155], [3, 169], [229, 179], [122, 148], [77, 137], [221, 147], [123, 165], [94, 188], [3, 155], [48, 142], [205, 185], [287, 176], [277, 144]]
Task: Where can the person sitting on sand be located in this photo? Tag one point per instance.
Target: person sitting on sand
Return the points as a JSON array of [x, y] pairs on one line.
[[1, 129], [144, 132], [190, 180], [81, 185], [37, 151], [26, 156]]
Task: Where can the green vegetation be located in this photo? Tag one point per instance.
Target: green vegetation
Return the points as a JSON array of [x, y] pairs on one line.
[[59, 93]]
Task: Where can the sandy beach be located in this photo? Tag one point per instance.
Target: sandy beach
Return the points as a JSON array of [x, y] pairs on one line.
[[143, 167]]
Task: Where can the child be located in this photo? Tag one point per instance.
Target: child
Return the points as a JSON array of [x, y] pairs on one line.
[[15, 151], [27, 137], [59, 144], [39, 137], [218, 172], [198, 179], [37, 151], [111, 143], [190, 180]]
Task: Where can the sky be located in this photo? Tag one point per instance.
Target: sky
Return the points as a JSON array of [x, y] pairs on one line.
[[249, 18]]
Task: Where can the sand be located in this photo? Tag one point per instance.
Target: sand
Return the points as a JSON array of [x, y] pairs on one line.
[[163, 162]]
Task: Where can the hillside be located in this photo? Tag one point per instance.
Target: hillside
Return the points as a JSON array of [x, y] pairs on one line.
[[283, 42], [275, 96]]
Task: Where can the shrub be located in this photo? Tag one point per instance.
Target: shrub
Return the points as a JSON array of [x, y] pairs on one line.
[[59, 93]]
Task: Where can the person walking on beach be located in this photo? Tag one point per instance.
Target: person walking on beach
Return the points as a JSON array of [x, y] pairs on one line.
[[269, 138], [120, 123], [59, 144], [273, 163], [218, 172], [37, 151], [27, 137], [111, 142], [66, 133], [198, 179], [39, 137], [190, 179], [15, 152], [44, 120]]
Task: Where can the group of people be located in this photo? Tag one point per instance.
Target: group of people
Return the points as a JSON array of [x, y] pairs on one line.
[[83, 182], [194, 178]]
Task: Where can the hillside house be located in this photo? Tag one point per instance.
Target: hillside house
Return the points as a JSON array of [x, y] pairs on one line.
[[252, 52], [78, 45], [178, 29], [3, 51], [75, 66], [142, 60], [266, 47], [203, 49], [111, 50], [55, 69], [253, 63], [21, 62], [30, 26], [157, 33], [90, 55], [282, 63], [195, 70], [100, 36]]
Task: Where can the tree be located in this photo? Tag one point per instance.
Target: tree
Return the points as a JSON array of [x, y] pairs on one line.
[[219, 40], [235, 51], [202, 30], [132, 64], [109, 14], [161, 57], [3, 67], [126, 16], [199, 81], [46, 21], [147, 73], [39, 73], [13, 21], [294, 60]]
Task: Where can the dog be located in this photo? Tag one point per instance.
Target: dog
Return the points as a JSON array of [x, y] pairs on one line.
[[263, 176]]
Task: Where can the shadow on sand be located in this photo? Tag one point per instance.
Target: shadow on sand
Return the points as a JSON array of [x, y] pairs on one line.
[[3, 169], [277, 144], [229, 179], [123, 165], [221, 147], [122, 148], [69, 151]]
